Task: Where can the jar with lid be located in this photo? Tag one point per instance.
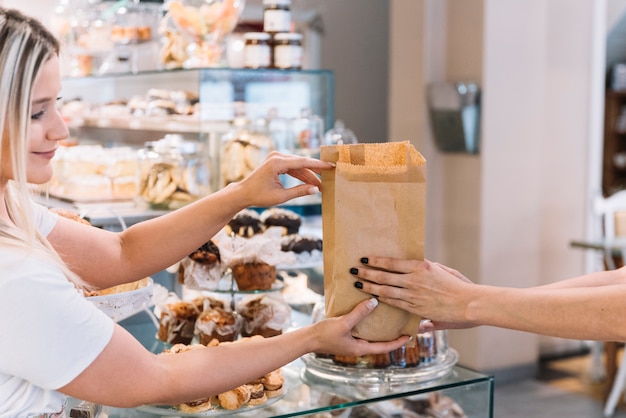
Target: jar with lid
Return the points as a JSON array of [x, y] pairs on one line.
[[288, 51], [339, 135], [308, 133], [276, 16], [244, 147], [257, 50], [172, 172]]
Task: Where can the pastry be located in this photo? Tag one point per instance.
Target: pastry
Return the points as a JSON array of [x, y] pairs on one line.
[[265, 316], [374, 361], [120, 288], [161, 184], [70, 214], [207, 254], [254, 275], [301, 243], [199, 405], [257, 394], [201, 270], [219, 324], [234, 398], [207, 302], [284, 218], [245, 223], [427, 347], [273, 383], [177, 323]]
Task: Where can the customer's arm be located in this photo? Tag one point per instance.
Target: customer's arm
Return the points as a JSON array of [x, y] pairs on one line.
[[582, 310]]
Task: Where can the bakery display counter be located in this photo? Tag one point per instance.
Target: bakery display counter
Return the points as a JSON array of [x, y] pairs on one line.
[[463, 393]]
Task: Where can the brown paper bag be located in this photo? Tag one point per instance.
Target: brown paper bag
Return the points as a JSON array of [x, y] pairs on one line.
[[373, 203]]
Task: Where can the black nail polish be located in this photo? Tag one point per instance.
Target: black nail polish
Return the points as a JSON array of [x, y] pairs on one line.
[[365, 260], [354, 270], [358, 285]]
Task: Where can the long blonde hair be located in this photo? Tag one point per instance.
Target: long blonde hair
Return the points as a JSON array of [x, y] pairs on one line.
[[25, 45]]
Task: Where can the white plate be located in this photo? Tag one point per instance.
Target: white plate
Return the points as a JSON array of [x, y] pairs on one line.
[[123, 305]]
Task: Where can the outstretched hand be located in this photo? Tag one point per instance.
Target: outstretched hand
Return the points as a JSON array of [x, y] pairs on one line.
[[427, 289], [334, 335], [263, 186]]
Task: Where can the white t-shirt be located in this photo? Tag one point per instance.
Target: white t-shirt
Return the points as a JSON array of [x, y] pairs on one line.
[[49, 332]]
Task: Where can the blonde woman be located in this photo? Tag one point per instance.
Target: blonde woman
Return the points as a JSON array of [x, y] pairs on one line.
[[56, 343]]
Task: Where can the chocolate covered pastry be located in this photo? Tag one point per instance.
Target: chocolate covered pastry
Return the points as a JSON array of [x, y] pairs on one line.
[[284, 218], [301, 243], [246, 223]]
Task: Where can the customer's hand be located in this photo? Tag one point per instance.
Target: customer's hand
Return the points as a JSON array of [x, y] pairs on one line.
[[334, 334], [264, 188], [427, 289]]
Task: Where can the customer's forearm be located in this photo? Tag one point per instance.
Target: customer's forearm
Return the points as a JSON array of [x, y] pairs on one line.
[[594, 313], [601, 278]]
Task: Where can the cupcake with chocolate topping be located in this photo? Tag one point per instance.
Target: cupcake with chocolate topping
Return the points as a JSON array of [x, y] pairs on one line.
[[246, 223], [202, 269], [283, 218]]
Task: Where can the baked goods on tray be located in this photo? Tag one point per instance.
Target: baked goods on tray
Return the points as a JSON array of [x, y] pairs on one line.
[[252, 394]]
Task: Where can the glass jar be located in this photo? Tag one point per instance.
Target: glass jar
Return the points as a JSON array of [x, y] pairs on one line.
[[244, 148], [172, 172], [308, 133], [276, 16], [339, 135], [288, 51], [257, 50]]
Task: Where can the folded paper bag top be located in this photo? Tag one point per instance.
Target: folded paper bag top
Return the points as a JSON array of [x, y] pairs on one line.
[[373, 204]]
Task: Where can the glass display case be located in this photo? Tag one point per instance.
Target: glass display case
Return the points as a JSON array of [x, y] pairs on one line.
[[470, 393], [125, 108], [207, 105], [203, 105], [460, 393]]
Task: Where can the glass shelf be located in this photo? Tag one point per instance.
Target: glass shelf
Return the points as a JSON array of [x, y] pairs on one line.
[[471, 391], [309, 395]]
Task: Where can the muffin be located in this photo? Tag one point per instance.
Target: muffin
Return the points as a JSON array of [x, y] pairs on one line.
[[265, 316], [254, 275], [203, 303], [177, 323], [201, 270], [283, 218], [207, 254], [246, 223], [301, 243], [218, 324]]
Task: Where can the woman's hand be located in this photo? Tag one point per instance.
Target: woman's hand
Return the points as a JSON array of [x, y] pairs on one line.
[[427, 289], [333, 335], [264, 188]]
